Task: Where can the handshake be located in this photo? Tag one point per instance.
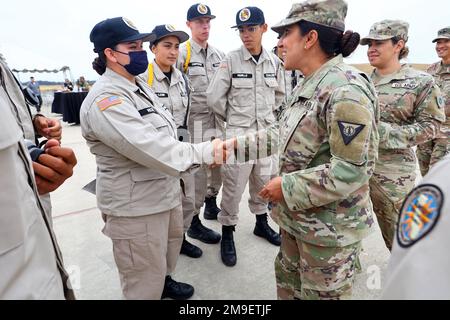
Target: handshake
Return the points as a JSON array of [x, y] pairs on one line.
[[222, 150]]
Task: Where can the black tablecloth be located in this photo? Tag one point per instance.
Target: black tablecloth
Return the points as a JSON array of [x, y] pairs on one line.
[[68, 104]]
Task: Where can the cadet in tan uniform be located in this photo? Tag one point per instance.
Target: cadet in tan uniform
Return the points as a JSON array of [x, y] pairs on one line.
[[139, 160], [411, 110], [245, 92], [172, 89], [199, 61], [431, 152], [31, 264], [420, 261]]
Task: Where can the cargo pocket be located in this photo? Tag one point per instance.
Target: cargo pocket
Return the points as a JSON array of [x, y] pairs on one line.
[[142, 179]]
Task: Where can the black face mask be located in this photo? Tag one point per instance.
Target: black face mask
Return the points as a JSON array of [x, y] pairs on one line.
[[138, 62]]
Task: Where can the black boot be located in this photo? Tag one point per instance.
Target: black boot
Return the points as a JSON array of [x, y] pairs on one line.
[[227, 248], [263, 230], [202, 233], [176, 290], [211, 210], [190, 250]]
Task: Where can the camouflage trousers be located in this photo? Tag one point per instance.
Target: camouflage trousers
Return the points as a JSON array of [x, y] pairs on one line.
[[432, 152], [307, 272], [387, 199]]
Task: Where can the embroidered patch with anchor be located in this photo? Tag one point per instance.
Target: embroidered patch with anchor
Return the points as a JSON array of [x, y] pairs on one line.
[[419, 214], [350, 131]]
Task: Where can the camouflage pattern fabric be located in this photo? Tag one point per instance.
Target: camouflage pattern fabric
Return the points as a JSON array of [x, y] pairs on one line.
[[328, 142], [330, 13], [433, 151], [444, 33], [387, 29], [410, 115], [308, 272]]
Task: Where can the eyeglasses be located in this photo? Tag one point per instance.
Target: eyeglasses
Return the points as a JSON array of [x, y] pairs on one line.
[[249, 29]]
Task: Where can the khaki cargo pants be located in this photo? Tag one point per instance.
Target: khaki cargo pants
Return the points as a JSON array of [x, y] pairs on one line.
[[145, 249]]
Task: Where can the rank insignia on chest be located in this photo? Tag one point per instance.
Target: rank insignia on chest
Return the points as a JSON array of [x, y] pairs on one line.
[[405, 85], [349, 131], [419, 214], [146, 111], [162, 94], [440, 102]]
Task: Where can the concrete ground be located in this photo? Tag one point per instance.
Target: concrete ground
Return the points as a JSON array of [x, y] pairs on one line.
[[88, 253]]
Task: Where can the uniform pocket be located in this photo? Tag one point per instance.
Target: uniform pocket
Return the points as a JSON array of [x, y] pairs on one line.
[[269, 94], [242, 93]]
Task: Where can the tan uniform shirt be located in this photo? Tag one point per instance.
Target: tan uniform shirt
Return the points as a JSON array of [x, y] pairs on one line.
[[31, 264], [134, 140], [172, 93], [245, 93], [202, 66]]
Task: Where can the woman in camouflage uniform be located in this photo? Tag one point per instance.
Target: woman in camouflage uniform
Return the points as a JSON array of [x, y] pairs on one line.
[[433, 151], [411, 113], [328, 141]]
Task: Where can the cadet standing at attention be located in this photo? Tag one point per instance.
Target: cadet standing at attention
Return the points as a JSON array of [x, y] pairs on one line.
[[172, 89], [199, 61], [327, 139], [140, 161], [431, 152], [411, 110], [245, 92], [420, 263]]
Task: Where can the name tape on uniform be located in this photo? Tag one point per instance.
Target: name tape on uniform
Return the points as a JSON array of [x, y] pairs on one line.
[[162, 94], [146, 111], [270, 75], [196, 64], [242, 76]]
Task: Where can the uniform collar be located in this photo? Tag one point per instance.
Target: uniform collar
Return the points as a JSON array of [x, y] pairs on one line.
[[402, 74], [160, 76], [442, 68], [196, 47], [312, 82], [120, 81], [248, 56]]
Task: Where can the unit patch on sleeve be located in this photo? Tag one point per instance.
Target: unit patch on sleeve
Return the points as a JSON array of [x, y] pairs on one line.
[[419, 214]]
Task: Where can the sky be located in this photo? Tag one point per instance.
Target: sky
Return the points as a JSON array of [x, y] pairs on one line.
[[48, 34]]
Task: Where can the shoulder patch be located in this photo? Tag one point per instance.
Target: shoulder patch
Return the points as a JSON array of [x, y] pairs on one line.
[[419, 214], [108, 102], [349, 131]]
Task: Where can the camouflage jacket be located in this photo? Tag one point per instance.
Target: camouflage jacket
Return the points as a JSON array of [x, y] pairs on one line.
[[412, 111], [327, 138], [441, 74]]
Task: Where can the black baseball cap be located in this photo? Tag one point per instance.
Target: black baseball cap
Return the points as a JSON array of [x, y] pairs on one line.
[[110, 32], [199, 10], [249, 16], [166, 30]]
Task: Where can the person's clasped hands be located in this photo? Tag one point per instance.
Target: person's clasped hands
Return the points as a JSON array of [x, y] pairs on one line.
[[48, 128], [53, 167]]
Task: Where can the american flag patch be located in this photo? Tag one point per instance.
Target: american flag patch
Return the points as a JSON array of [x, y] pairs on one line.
[[108, 102]]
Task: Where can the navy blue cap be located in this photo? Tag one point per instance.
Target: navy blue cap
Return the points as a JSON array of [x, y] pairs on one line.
[[110, 32], [166, 30], [249, 16], [199, 10]]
